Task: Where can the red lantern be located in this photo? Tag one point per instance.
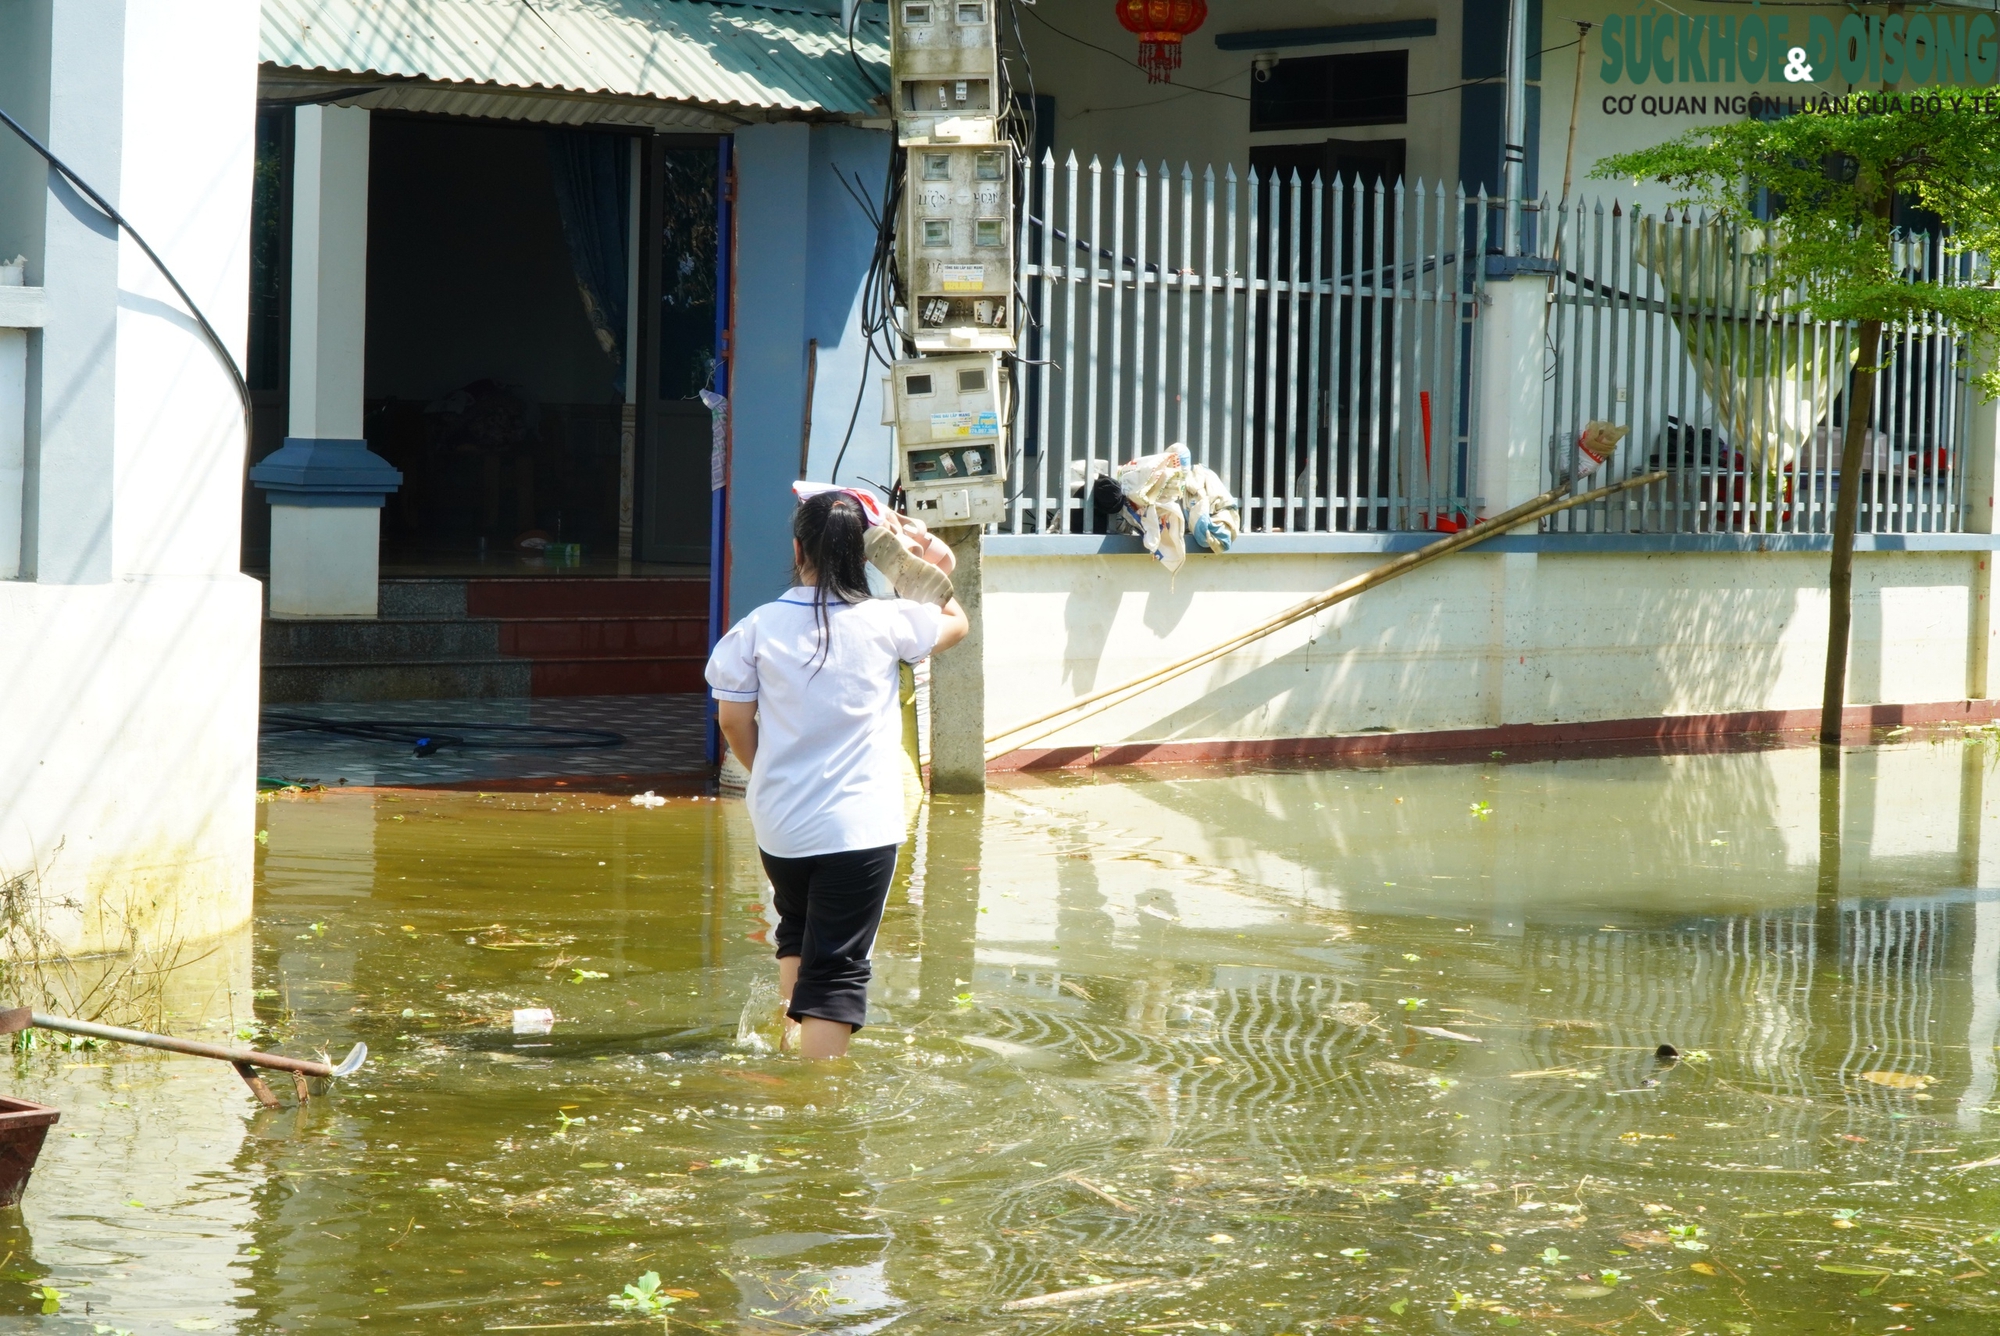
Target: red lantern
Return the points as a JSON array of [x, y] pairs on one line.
[[1160, 25]]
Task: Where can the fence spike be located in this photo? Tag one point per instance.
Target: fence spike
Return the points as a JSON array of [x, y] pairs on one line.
[[1071, 163], [1048, 157]]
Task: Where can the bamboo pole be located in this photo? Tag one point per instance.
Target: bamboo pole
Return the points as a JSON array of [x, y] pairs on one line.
[[1536, 508], [238, 1057]]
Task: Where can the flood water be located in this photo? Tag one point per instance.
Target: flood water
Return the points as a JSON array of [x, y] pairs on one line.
[[1281, 1051]]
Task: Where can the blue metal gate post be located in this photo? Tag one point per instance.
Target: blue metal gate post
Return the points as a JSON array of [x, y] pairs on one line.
[[718, 521]]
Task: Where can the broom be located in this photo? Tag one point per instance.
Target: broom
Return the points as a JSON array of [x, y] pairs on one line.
[[1548, 503]]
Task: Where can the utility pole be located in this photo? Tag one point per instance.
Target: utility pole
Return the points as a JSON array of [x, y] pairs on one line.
[[1514, 153], [949, 394]]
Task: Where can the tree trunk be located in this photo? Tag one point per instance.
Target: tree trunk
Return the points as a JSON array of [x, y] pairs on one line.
[[1840, 579]]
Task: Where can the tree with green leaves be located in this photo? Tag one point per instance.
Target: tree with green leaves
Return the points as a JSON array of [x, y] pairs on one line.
[[1834, 174]]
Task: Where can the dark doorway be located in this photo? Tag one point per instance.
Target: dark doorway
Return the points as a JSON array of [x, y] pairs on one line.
[[1368, 160], [1349, 447], [674, 512], [495, 347], [268, 341], [1321, 92]]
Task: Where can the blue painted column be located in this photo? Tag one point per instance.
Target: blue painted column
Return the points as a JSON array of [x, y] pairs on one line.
[[802, 251], [767, 356]]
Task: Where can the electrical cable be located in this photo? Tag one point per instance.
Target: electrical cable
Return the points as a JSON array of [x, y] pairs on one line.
[[855, 56], [867, 356], [876, 314], [428, 738], [84, 188], [1129, 62], [1239, 97]]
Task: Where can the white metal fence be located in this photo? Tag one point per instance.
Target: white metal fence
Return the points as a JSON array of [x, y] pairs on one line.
[[1658, 323], [1311, 341]]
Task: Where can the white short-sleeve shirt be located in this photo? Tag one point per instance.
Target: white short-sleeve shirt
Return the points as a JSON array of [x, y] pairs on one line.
[[828, 774]]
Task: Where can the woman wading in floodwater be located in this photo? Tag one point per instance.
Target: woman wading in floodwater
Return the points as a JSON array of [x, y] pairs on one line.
[[806, 695]]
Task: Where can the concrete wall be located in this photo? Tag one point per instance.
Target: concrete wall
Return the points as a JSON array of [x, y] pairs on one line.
[[128, 645], [802, 249], [1475, 641], [1104, 106]]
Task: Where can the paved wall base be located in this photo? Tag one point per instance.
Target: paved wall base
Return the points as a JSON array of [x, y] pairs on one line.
[[1678, 733]]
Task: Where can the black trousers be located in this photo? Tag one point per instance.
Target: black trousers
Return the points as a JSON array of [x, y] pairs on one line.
[[829, 907]]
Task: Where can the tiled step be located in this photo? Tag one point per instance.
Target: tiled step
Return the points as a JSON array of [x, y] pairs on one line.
[[290, 684], [421, 599], [583, 598], [625, 637], [359, 641], [437, 638], [616, 677]]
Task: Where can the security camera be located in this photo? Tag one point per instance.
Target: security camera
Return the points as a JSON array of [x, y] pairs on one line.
[[1261, 67]]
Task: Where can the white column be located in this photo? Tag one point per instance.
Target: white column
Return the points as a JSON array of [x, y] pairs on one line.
[[1511, 450], [1510, 444], [70, 464], [129, 637], [325, 488], [14, 326], [329, 270]]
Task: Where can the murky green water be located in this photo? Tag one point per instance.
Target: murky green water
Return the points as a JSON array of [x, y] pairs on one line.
[[1285, 1052]]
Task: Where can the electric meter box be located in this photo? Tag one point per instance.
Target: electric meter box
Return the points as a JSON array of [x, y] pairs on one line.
[[956, 244], [950, 415], [946, 65]]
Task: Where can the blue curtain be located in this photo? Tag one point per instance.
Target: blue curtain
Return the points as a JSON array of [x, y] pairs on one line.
[[593, 180]]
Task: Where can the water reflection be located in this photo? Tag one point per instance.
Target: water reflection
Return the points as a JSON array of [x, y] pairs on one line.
[[1276, 1051]]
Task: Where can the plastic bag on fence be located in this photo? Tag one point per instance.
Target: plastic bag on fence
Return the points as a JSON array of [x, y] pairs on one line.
[[1168, 497], [1211, 510], [1153, 487], [1595, 445]]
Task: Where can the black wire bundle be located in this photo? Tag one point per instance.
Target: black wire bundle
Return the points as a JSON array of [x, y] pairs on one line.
[[883, 300]]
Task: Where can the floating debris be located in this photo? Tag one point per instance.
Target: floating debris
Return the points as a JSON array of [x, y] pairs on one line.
[[534, 1020], [1079, 1296]]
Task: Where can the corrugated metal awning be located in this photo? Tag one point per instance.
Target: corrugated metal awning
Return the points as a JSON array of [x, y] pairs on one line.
[[669, 62]]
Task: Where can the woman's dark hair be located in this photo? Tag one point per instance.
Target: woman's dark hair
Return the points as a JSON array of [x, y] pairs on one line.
[[830, 530]]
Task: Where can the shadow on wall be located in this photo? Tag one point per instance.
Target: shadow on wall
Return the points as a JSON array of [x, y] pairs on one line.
[[1607, 637]]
